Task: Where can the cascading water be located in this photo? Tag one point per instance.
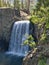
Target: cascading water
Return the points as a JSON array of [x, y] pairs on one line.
[[19, 34]]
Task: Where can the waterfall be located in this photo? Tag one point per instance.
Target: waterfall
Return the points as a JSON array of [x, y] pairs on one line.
[[19, 34]]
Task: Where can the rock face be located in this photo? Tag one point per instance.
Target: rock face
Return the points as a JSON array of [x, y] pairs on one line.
[[33, 31], [33, 56], [6, 21]]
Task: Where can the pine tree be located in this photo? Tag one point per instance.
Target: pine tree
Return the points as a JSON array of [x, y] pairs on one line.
[[4, 4]]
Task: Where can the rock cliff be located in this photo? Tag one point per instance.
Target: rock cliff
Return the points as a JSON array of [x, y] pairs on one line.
[[33, 56], [7, 18]]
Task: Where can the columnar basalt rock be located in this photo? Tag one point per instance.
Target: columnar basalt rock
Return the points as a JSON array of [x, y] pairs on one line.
[[7, 18]]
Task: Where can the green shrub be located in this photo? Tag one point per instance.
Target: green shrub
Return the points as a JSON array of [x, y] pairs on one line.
[[42, 61], [30, 41]]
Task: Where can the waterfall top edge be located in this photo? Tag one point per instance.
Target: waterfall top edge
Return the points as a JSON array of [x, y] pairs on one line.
[[23, 21]]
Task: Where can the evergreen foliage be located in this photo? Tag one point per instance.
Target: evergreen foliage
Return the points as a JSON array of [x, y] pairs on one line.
[[41, 15]]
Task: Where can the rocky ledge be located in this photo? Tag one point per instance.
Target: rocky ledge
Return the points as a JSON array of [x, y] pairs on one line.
[[33, 56], [7, 17]]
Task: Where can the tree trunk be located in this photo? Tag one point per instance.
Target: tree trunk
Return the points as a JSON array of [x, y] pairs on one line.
[[22, 4], [28, 5]]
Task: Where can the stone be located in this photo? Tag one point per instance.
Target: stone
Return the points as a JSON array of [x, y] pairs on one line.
[[6, 23], [33, 57], [47, 61]]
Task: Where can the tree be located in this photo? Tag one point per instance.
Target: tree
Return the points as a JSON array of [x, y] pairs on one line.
[[22, 4], [44, 3], [8, 4], [28, 5], [16, 4], [4, 4], [0, 3], [41, 17]]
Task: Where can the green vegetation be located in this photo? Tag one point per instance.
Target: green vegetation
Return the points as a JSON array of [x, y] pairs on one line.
[[42, 61], [0, 3], [30, 41], [40, 16], [7, 3], [16, 4]]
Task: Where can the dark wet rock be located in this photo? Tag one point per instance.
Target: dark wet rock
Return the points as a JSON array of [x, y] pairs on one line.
[[33, 56], [33, 31], [7, 17]]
